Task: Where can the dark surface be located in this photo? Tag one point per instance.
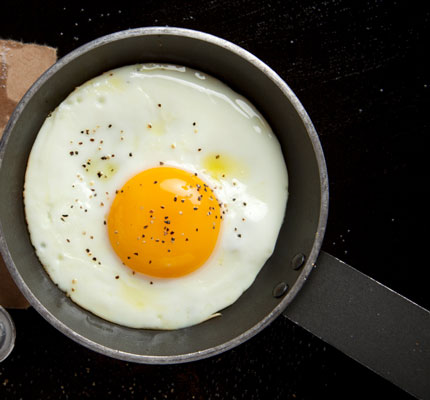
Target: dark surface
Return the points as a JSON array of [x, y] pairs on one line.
[[361, 71]]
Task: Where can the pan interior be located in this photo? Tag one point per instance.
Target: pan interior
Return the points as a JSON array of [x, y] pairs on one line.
[[255, 308]]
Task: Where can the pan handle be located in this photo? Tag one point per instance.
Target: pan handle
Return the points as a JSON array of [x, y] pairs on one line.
[[367, 321]]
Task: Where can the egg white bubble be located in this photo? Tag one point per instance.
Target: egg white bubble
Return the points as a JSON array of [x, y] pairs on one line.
[[123, 122]]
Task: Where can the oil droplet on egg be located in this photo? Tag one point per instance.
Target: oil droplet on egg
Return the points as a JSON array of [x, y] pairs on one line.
[[99, 168], [159, 124], [221, 166], [157, 127], [115, 83], [134, 296], [111, 82]]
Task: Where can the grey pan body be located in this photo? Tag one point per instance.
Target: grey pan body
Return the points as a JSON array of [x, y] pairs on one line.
[[302, 231]]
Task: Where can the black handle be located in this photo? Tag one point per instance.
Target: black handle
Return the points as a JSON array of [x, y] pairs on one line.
[[367, 321]]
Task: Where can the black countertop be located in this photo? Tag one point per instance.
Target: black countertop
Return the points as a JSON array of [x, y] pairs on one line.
[[362, 72]]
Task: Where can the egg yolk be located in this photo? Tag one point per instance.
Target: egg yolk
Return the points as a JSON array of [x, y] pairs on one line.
[[164, 222]]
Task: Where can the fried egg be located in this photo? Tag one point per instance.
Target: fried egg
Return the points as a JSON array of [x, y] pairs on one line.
[[154, 194]]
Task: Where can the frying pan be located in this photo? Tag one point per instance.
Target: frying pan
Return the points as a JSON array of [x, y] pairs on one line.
[[364, 319]]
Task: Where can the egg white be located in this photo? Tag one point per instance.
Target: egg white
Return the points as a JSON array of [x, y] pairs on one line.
[[120, 123]]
